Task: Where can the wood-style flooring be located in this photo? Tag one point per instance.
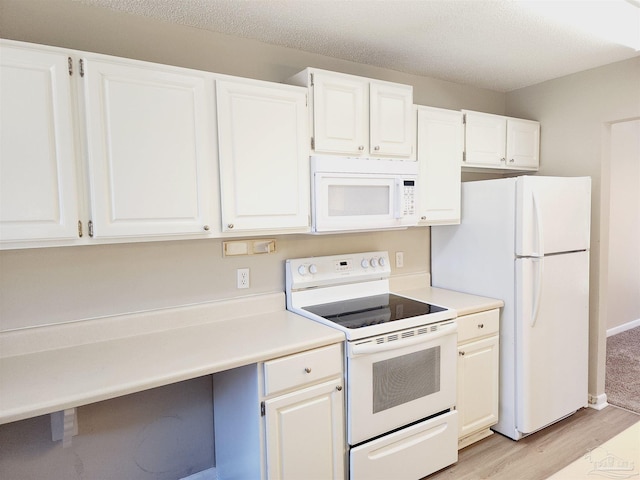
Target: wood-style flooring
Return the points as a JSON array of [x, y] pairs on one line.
[[542, 454]]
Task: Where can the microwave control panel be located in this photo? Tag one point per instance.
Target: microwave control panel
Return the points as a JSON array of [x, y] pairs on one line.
[[409, 196]]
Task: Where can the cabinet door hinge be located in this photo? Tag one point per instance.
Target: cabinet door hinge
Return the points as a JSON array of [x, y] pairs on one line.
[[262, 409], [311, 79], [70, 63], [464, 118], [91, 228], [464, 156], [313, 143], [81, 67], [80, 228]]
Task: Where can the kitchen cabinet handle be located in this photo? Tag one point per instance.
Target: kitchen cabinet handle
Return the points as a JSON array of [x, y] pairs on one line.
[[481, 325], [461, 353], [339, 388], [230, 225], [512, 160], [503, 159], [206, 228], [361, 147], [376, 148], [307, 369]]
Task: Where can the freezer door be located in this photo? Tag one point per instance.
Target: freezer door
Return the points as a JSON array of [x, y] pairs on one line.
[[553, 215], [552, 338]]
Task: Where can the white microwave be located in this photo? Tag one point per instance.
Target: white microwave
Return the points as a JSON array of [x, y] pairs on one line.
[[351, 194]]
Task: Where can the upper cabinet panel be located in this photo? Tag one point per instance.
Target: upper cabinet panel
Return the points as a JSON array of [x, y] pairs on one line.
[[149, 136], [38, 183], [264, 156], [359, 117], [392, 125], [501, 143], [341, 114]]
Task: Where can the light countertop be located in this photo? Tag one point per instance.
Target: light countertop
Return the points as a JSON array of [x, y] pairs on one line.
[[53, 368], [49, 380]]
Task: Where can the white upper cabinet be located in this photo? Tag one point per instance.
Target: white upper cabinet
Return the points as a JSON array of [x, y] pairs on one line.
[[439, 150], [523, 143], [264, 156], [340, 114], [149, 141], [499, 142], [392, 124], [357, 116], [38, 184]]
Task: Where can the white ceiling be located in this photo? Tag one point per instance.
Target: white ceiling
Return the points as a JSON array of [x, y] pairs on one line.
[[494, 44]]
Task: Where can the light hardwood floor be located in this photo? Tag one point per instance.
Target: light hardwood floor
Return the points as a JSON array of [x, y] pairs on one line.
[[542, 454]]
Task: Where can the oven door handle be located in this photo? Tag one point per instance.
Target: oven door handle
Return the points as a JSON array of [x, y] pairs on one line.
[[371, 347]]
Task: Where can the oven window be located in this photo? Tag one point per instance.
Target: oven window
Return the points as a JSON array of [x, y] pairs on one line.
[[403, 379]]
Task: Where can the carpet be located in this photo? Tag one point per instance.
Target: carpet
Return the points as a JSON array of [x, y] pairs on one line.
[[622, 381]]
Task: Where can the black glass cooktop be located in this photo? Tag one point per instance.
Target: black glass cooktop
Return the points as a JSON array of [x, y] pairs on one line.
[[365, 311]]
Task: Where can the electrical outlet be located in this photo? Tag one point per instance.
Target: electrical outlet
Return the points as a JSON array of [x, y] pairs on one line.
[[243, 277], [399, 259]]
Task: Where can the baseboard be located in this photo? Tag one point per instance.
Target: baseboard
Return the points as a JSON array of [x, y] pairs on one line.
[[598, 402], [623, 327]]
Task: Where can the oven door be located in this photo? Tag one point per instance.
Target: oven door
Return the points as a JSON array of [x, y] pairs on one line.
[[399, 378]]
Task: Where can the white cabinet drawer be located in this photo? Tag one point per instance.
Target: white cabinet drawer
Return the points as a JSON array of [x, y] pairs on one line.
[[478, 325], [306, 367]]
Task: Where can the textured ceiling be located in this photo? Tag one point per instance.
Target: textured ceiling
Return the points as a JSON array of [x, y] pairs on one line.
[[494, 44]]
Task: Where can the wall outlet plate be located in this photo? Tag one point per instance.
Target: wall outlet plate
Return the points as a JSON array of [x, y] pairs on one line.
[[243, 278]]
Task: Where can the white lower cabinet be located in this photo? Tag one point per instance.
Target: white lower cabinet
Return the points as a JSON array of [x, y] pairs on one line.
[[478, 364], [282, 419]]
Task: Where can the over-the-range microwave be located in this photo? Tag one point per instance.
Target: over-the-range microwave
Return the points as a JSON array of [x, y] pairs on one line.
[[351, 194]]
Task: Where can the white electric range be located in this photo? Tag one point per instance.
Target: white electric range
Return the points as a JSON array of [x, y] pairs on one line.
[[400, 357]]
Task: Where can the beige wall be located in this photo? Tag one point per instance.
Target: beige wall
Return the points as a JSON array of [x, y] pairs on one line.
[[623, 287], [41, 286], [576, 113]]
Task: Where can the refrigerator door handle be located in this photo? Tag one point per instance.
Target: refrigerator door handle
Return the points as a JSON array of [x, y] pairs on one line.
[[536, 209], [536, 303]]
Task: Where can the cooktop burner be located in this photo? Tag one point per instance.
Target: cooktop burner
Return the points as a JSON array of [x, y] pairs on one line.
[[372, 310]]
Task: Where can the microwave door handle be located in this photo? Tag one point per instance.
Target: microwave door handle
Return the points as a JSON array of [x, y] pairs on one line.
[[397, 214]]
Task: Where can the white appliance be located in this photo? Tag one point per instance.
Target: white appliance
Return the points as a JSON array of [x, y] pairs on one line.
[[525, 240], [401, 358], [351, 194]]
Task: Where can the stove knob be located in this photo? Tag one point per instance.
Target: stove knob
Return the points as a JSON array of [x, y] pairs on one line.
[[364, 263], [374, 262], [381, 261], [302, 270], [313, 269]]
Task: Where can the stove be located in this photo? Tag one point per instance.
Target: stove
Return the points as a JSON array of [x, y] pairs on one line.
[[400, 364], [351, 293]]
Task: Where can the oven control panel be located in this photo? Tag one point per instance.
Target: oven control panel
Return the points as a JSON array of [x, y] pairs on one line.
[[335, 269]]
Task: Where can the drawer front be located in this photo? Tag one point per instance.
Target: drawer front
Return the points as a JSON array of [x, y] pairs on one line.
[[302, 368], [478, 325]]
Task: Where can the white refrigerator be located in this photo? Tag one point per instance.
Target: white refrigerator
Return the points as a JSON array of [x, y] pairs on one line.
[[525, 240]]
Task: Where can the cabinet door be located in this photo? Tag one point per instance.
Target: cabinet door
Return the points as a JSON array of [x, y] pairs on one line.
[[149, 136], [477, 385], [523, 143], [485, 139], [38, 184], [305, 433], [264, 157], [440, 146], [392, 123], [340, 114]]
